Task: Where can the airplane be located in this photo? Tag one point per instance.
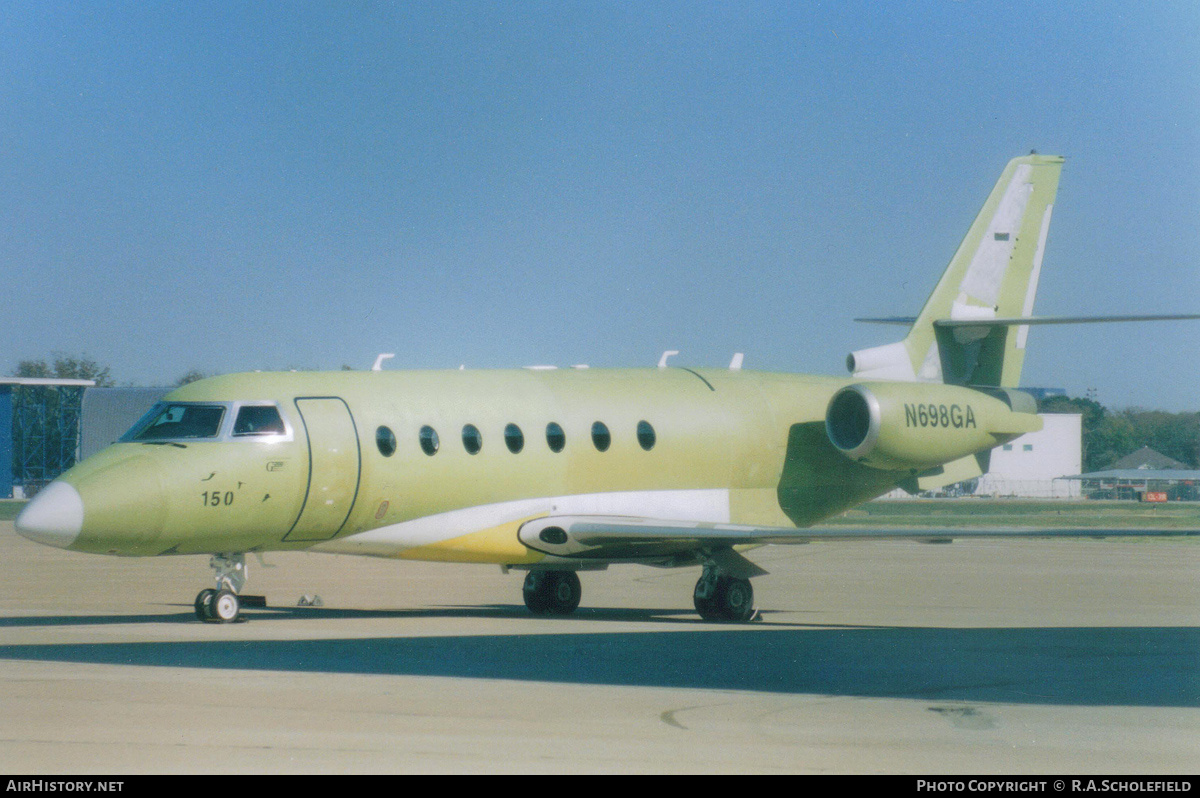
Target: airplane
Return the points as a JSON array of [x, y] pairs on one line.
[[556, 471]]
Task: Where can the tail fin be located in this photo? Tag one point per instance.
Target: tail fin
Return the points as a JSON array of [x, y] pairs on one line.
[[993, 275]]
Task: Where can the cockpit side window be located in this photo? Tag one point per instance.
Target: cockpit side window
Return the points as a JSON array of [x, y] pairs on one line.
[[180, 421], [258, 420]]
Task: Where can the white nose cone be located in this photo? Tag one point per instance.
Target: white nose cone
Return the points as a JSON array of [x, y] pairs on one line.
[[54, 517]]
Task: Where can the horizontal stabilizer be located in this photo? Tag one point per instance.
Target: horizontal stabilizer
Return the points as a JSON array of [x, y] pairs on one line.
[[969, 348], [903, 321], [1018, 321]]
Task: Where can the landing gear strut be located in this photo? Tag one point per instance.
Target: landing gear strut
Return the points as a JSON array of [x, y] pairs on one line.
[[552, 592], [721, 597], [222, 605]]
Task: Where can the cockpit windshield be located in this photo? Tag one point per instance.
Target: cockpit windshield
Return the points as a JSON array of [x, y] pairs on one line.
[[170, 421], [258, 420]]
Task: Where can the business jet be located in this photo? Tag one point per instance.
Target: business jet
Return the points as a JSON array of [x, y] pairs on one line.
[[560, 471]]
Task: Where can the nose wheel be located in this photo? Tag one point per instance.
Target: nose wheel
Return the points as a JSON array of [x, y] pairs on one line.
[[221, 604], [203, 602], [218, 606]]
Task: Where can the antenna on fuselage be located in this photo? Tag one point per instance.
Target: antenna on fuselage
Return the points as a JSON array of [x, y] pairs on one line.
[[662, 361], [379, 361]]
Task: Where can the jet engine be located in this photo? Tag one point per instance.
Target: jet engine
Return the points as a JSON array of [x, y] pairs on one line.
[[915, 426]]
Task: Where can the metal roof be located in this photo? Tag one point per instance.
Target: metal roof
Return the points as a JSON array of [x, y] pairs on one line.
[[1143, 474], [47, 381], [1147, 458]]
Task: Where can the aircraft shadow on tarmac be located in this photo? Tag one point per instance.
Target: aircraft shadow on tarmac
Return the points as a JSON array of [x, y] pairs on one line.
[[276, 613], [1098, 666]]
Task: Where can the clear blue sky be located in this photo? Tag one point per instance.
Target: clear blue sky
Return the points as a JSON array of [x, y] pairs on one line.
[[236, 186]]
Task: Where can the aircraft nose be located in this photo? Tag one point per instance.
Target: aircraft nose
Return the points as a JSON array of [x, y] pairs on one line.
[[54, 517]]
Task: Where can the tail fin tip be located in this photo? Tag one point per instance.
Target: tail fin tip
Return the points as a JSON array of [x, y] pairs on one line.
[[994, 273]]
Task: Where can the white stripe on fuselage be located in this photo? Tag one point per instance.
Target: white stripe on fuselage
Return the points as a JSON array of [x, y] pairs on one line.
[[710, 506]]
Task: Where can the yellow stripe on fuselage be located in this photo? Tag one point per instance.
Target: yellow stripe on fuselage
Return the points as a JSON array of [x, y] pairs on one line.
[[497, 545]]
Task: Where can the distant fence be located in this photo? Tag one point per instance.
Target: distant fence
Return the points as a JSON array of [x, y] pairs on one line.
[[992, 485], [1002, 488]]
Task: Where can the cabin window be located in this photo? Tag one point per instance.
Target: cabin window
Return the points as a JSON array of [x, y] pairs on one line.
[[385, 439], [169, 421], [258, 420], [601, 437], [645, 435], [472, 440], [556, 439], [514, 439], [429, 440]]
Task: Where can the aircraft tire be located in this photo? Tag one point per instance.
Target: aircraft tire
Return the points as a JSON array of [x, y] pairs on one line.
[[565, 592], [536, 592], [731, 600], [225, 607], [203, 604], [552, 592], [705, 606], [736, 599]]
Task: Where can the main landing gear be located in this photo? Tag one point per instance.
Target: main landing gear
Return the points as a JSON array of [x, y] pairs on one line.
[[552, 592], [721, 597], [221, 604]]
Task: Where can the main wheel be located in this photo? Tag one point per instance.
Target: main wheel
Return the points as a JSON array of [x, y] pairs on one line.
[[565, 593], [203, 604], [225, 607], [724, 599], [552, 592], [536, 591], [706, 596], [705, 602], [737, 600]]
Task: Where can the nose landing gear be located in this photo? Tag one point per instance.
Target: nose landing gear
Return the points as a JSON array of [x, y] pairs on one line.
[[221, 604]]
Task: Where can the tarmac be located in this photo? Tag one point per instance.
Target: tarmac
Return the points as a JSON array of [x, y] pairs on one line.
[[1006, 657]]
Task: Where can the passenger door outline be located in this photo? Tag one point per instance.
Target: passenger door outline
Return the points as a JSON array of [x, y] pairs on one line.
[[333, 450]]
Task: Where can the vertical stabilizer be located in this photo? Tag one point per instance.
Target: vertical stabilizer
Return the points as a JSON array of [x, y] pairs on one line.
[[994, 274]]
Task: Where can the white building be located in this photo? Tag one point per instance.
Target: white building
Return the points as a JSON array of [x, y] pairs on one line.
[[1033, 465]]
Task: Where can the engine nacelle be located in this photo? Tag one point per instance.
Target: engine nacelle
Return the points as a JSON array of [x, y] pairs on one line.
[[906, 425]]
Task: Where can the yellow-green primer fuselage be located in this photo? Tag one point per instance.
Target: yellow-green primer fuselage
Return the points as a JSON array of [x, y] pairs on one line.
[[750, 447]]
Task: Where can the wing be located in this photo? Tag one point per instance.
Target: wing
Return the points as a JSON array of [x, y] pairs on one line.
[[658, 542]]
